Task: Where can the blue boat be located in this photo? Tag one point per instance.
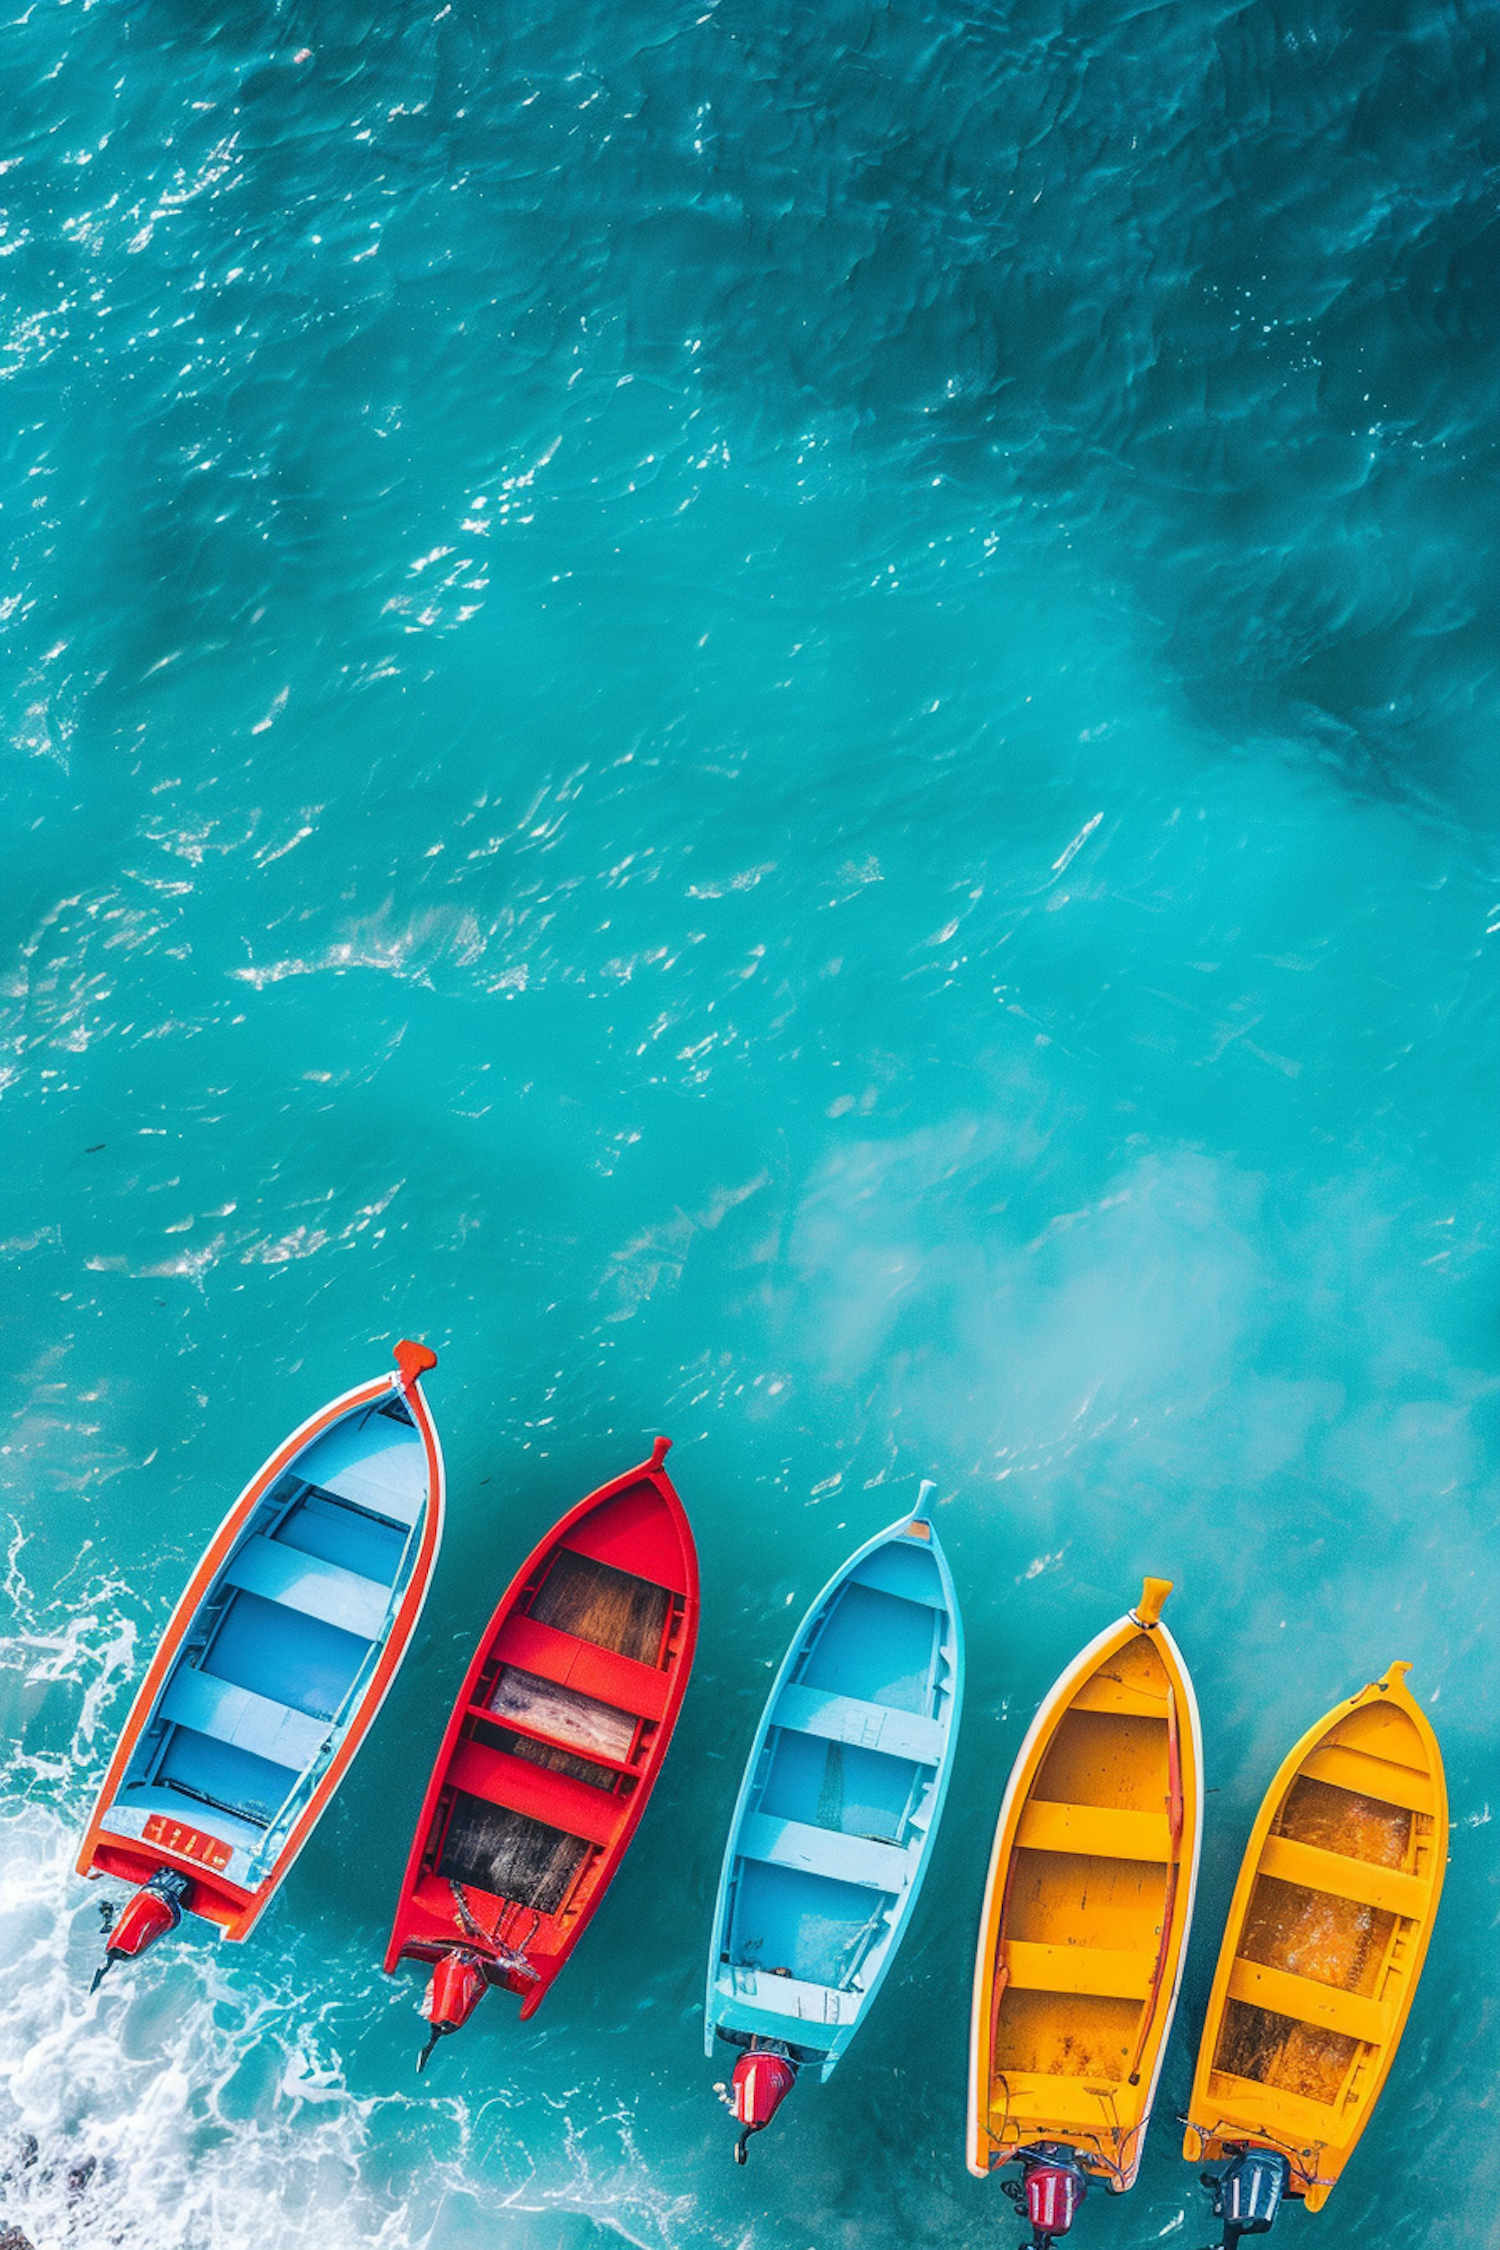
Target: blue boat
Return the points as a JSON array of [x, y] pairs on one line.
[[274, 1664], [836, 1818]]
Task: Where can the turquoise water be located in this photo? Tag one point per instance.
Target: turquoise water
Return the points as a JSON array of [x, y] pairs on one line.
[[783, 724]]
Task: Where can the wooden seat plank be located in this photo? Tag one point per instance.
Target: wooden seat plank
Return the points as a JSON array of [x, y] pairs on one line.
[[250, 1722], [906, 1571], [1029, 2098], [375, 1466], [1390, 1784], [556, 1799], [1101, 1831], [809, 2003], [1306, 2001], [1298, 2118], [868, 1726], [825, 1851], [1104, 1694], [320, 1589], [1078, 1968], [558, 1714], [1357, 1879], [587, 1669], [379, 1498]]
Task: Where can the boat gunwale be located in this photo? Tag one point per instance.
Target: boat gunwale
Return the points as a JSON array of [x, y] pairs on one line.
[[1050, 1713]]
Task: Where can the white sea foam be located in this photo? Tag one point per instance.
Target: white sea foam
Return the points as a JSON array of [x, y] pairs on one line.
[[209, 2098], [123, 2115]]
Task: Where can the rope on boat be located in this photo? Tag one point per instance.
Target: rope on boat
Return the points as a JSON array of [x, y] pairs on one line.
[[472, 1926], [1232, 2136], [505, 1957], [1004, 2084]]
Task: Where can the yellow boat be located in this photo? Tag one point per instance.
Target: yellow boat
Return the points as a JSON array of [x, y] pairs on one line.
[[1325, 1940], [1086, 1919]]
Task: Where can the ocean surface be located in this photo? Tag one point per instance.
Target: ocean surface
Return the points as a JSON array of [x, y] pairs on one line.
[[782, 721]]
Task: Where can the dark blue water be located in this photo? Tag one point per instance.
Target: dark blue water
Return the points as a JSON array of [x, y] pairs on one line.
[[783, 722]]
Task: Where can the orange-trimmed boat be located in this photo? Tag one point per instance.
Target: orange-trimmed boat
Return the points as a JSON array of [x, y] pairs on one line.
[[1086, 1919], [1325, 1939], [554, 1746], [275, 1662]]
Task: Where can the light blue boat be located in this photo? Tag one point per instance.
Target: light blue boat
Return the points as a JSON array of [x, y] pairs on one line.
[[836, 1817]]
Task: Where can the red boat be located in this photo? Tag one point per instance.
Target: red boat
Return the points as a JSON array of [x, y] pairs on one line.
[[554, 1745]]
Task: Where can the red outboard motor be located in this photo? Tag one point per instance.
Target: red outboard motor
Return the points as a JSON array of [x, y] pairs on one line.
[[1052, 2187], [762, 2080], [454, 1991], [153, 1910], [1248, 2195]]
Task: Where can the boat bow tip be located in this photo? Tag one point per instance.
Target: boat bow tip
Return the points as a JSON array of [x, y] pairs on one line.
[[1154, 1592], [917, 1524], [659, 1451], [414, 1361]]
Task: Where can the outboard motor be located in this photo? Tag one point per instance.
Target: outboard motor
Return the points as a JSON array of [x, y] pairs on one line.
[[762, 2080], [153, 1910], [1052, 2187], [454, 1991], [1248, 2196]]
